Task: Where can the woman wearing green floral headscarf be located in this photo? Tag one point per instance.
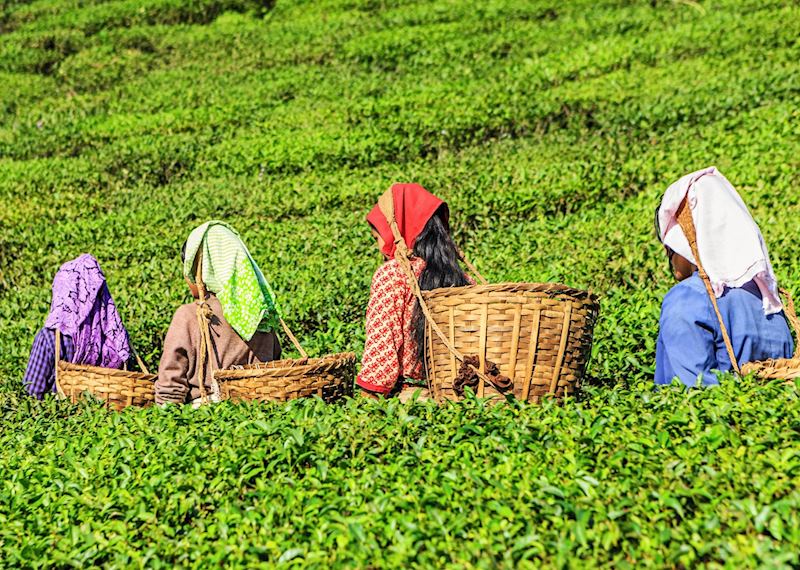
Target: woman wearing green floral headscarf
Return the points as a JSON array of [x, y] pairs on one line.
[[238, 304]]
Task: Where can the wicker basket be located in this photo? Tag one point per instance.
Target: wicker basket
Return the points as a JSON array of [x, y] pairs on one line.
[[778, 369], [330, 377], [118, 388], [539, 336]]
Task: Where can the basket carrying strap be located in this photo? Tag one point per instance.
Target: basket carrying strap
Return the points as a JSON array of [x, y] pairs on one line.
[[402, 255], [206, 350], [791, 316], [295, 342], [463, 258], [139, 361]]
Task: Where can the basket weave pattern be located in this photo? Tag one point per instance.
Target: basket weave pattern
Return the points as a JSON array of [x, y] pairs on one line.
[[118, 388], [329, 377], [779, 369], [539, 335]]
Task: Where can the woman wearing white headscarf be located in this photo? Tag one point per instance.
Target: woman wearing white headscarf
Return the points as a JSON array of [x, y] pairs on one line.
[[691, 343]]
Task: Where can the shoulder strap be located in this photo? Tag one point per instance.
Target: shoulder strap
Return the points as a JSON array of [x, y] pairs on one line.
[[205, 350], [791, 316]]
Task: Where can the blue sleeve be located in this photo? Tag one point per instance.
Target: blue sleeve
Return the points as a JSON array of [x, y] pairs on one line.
[[40, 374], [686, 346]]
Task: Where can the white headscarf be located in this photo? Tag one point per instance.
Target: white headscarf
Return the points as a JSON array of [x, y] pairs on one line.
[[731, 247]]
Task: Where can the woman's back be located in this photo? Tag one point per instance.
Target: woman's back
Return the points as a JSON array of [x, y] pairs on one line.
[[390, 351], [178, 371], [690, 338]]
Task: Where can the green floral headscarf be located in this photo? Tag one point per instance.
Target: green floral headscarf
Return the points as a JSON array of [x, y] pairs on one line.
[[248, 302]]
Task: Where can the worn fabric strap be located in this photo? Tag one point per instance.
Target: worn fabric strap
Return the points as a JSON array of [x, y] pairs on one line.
[[206, 349]]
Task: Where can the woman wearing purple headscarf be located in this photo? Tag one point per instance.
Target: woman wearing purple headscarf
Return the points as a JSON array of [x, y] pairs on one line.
[[91, 328]]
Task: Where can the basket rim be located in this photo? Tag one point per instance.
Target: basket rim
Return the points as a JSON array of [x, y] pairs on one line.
[[511, 287], [287, 364], [756, 365], [65, 366]]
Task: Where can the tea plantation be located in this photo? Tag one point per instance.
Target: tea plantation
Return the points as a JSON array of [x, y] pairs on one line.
[[551, 128]]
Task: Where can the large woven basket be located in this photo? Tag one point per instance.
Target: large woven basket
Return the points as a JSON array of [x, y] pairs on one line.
[[117, 388], [537, 335], [778, 369], [330, 377]]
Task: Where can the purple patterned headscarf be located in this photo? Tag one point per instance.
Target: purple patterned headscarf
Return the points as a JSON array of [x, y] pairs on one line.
[[82, 308]]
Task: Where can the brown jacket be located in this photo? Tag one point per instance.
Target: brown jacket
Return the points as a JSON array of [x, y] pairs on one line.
[[177, 373]]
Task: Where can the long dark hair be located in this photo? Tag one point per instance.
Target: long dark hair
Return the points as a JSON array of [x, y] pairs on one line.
[[436, 247]]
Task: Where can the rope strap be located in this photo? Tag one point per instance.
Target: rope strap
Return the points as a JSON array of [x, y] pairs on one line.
[[206, 350], [472, 268], [791, 316], [139, 361], [287, 330]]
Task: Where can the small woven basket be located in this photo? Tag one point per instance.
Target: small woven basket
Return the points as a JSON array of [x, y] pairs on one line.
[[778, 369], [118, 388], [537, 335], [330, 377]]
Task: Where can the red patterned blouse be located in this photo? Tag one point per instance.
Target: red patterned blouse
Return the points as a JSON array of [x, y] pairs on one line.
[[390, 352]]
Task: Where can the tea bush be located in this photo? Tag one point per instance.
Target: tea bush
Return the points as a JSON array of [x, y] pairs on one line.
[[551, 128]]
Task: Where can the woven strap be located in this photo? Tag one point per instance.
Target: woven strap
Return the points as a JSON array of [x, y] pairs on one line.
[[791, 316], [403, 255], [204, 314], [206, 350], [686, 223], [462, 257]]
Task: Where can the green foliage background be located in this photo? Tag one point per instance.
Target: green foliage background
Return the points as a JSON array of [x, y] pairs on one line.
[[550, 127]]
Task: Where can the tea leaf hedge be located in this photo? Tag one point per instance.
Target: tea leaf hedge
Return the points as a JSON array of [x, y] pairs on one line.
[[550, 127]]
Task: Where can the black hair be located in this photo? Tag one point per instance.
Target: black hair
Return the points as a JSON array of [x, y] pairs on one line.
[[436, 247], [183, 252]]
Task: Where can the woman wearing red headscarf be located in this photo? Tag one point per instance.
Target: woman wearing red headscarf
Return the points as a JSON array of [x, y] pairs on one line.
[[392, 358]]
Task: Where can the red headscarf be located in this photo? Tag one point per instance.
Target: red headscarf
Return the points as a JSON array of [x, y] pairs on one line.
[[413, 207]]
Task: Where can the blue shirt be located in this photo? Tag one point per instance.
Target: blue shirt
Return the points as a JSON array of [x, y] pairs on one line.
[[690, 341]]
